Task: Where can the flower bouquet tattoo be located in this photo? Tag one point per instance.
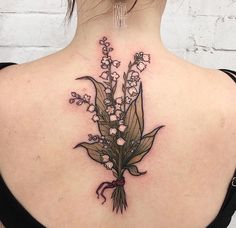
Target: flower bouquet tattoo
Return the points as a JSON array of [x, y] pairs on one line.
[[121, 143]]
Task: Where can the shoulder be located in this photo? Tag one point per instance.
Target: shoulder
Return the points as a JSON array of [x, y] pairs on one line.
[[212, 100], [220, 103], [8, 71], [224, 87], [13, 78], [219, 94], [211, 95], [10, 78], [12, 100]]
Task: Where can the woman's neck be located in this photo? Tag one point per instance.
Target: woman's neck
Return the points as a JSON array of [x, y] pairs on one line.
[[142, 30]]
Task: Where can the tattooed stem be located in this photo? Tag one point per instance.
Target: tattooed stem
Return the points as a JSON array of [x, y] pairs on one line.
[[120, 164], [110, 81], [125, 82]]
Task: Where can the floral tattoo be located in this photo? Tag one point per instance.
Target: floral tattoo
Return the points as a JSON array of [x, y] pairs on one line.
[[121, 143]]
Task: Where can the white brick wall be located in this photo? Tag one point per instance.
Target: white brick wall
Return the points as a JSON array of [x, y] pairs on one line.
[[31, 29], [201, 31]]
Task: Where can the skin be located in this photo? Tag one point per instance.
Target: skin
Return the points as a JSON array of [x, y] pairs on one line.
[[191, 162]]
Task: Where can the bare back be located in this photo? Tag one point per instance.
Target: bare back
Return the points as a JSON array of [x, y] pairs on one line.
[[188, 167]]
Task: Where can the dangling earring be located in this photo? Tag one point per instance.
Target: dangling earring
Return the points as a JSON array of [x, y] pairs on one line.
[[119, 14]]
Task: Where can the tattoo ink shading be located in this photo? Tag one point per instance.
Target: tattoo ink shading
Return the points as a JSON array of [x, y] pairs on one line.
[[120, 120]]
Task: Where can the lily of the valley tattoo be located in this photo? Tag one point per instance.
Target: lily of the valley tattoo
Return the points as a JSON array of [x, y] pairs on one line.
[[121, 142]]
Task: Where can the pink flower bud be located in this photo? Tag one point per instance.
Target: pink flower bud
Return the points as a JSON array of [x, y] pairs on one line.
[[118, 107], [121, 122], [116, 63], [105, 158], [113, 131], [86, 98], [71, 101], [115, 76], [146, 58], [120, 142], [73, 94], [95, 118], [107, 90], [132, 91], [122, 128], [118, 113], [141, 66], [110, 110], [119, 100], [128, 100], [107, 101], [91, 108], [135, 74], [104, 75], [108, 165], [113, 117]]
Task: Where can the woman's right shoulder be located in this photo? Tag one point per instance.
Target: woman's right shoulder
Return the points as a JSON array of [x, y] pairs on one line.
[[8, 71], [14, 76], [13, 86]]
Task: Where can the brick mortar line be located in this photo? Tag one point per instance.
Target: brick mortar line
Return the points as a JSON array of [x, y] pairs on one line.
[[32, 12], [25, 47]]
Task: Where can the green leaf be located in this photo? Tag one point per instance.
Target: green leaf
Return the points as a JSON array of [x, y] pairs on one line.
[[134, 121], [144, 146], [94, 150], [139, 108], [103, 128], [133, 131], [133, 170], [100, 96]]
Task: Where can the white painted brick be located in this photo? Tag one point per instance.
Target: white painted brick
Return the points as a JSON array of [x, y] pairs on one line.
[[233, 222], [30, 6], [225, 36], [212, 59], [212, 7], [43, 30], [176, 8], [202, 30], [175, 32]]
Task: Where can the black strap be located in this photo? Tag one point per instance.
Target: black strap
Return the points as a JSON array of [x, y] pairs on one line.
[[230, 73], [228, 207], [12, 213], [6, 64]]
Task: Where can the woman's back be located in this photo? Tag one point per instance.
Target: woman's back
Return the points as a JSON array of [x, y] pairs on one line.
[[188, 169], [190, 163]]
